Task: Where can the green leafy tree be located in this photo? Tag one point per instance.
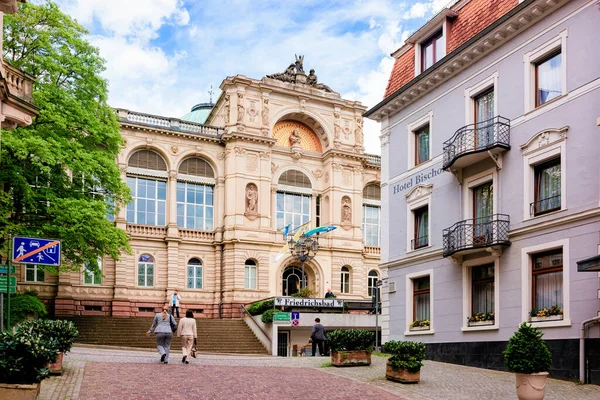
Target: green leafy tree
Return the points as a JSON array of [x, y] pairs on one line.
[[58, 176]]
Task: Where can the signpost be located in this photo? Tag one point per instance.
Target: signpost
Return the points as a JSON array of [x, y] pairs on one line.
[[3, 283], [379, 284], [36, 251], [4, 269], [281, 317]]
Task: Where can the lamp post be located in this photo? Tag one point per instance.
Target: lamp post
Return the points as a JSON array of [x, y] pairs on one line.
[[304, 249]]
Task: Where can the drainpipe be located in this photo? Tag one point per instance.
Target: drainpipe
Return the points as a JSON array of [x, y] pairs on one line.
[[584, 324]]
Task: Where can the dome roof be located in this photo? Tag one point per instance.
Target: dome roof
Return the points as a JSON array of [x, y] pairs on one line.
[[199, 113]]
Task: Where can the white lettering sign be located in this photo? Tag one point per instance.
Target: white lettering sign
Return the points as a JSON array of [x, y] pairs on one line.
[[300, 302]]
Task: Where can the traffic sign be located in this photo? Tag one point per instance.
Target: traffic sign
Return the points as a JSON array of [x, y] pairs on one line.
[[295, 315], [379, 283], [4, 269], [13, 289], [295, 322], [36, 251]]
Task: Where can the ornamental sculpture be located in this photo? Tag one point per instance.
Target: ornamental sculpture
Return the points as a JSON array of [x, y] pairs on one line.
[[294, 73]]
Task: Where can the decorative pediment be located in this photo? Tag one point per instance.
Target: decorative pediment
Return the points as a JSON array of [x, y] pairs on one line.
[[545, 138], [419, 192]]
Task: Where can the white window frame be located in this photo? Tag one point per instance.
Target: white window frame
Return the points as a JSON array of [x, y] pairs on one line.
[[369, 279], [471, 92], [409, 302], [345, 277], [156, 200], [414, 126], [206, 226], [36, 270], [292, 213], [248, 269], [467, 268], [412, 205], [443, 26], [526, 282], [196, 266], [532, 57], [373, 204], [531, 158], [137, 270], [489, 175], [88, 273]]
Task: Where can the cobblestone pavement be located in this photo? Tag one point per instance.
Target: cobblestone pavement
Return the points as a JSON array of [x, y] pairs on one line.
[[105, 373]]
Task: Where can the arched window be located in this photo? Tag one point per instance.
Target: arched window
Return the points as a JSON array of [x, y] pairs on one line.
[[147, 180], [250, 274], [372, 214], [345, 278], [292, 277], [194, 274], [372, 281], [146, 271], [293, 199], [195, 195]]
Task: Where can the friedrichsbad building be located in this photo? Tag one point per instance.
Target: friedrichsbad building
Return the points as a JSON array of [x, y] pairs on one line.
[[212, 192], [491, 181]]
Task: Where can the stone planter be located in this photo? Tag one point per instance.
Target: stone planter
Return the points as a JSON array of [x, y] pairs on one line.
[[531, 386], [548, 318], [19, 391], [420, 328], [353, 358], [481, 323], [56, 367], [401, 375]]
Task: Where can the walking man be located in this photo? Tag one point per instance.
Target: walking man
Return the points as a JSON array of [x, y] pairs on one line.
[[175, 302], [318, 337]]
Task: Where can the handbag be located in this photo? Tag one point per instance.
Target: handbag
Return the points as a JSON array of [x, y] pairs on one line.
[[173, 324]]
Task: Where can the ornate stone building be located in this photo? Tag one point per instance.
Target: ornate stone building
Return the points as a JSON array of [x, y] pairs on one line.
[[210, 201]]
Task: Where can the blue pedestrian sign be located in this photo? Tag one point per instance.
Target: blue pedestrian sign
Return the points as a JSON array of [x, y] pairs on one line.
[[295, 315], [36, 251]]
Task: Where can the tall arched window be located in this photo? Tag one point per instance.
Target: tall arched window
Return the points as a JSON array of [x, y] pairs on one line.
[[195, 195], [345, 278], [147, 180], [372, 281], [250, 274], [292, 277], [372, 214], [293, 199], [146, 271], [194, 274]]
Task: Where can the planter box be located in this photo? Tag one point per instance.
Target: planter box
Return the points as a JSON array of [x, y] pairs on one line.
[[19, 391], [531, 386], [420, 328], [353, 358], [56, 367], [548, 318], [401, 375], [481, 323]]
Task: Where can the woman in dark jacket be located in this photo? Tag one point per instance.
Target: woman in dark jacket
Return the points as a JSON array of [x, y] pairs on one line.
[[163, 326]]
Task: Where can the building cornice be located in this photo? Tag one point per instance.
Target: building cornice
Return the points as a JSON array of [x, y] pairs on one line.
[[492, 37], [536, 226], [413, 258]]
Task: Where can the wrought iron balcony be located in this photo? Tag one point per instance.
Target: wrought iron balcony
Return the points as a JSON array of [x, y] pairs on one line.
[[419, 242], [544, 206], [477, 233], [491, 135]]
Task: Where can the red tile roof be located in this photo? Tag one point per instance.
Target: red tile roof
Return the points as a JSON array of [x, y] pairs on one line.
[[472, 19]]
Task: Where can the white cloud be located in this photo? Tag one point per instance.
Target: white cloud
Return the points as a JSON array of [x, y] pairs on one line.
[[418, 10]]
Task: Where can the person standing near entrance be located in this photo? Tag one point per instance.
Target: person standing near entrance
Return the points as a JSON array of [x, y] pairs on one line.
[[188, 332], [318, 337], [163, 327], [174, 302]]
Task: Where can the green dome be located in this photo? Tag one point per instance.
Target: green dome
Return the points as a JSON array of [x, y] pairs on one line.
[[199, 113]]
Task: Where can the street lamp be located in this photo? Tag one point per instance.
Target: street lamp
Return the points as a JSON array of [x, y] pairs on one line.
[[304, 249]]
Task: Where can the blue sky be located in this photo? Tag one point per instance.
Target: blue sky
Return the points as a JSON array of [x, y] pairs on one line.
[[163, 55]]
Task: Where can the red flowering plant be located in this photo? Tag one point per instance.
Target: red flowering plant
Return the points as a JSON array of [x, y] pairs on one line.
[[479, 317], [546, 312]]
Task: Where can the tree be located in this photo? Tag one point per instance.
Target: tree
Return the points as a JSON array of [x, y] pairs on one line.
[[58, 176]]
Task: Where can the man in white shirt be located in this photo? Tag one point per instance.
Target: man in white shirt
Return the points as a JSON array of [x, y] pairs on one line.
[[174, 302]]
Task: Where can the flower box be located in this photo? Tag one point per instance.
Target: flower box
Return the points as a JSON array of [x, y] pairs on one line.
[[352, 358], [481, 323], [548, 318], [420, 328], [19, 391], [401, 375]]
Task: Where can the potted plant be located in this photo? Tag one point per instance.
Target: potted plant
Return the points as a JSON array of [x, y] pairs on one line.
[[406, 361], [554, 313], [64, 332], [24, 358], [350, 347], [481, 318], [420, 325], [528, 356]]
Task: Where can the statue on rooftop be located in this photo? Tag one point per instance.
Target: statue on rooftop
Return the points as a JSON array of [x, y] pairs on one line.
[[295, 74]]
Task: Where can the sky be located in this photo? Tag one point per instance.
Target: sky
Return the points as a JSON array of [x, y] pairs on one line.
[[162, 56]]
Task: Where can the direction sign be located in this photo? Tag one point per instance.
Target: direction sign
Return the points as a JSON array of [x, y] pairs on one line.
[[36, 251], [13, 281], [295, 315], [281, 317], [4, 269], [379, 283], [13, 289]]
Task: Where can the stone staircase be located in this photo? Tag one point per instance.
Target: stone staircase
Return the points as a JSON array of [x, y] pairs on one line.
[[214, 335]]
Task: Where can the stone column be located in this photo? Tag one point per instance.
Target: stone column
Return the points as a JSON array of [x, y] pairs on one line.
[[172, 230]]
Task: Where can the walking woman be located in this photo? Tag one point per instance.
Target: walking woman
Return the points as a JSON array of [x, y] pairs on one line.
[[163, 326], [187, 331]]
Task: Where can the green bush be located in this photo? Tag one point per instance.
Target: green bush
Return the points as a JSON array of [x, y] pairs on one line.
[[23, 305], [260, 307], [405, 355], [267, 316], [64, 332], [24, 356], [526, 352], [305, 293], [351, 339]]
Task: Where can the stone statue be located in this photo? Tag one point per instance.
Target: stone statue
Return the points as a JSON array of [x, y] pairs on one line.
[[240, 107], [346, 210], [299, 63], [295, 74], [358, 132], [226, 108], [265, 112], [295, 137], [251, 198], [289, 75], [312, 78]]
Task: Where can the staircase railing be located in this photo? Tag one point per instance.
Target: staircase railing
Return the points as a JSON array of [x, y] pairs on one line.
[[245, 311]]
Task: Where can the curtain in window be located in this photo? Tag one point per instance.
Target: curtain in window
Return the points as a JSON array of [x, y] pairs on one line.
[[549, 83], [483, 289], [423, 145], [549, 187], [422, 306], [483, 208], [548, 290], [421, 228], [484, 109]]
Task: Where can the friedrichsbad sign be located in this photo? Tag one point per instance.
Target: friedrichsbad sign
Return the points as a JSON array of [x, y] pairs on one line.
[[299, 302], [419, 178]]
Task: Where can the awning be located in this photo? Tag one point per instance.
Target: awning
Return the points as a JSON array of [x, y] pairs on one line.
[[589, 264]]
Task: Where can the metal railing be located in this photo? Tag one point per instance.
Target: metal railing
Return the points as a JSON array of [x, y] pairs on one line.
[[473, 138], [419, 242], [477, 233], [245, 311], [544, 206]]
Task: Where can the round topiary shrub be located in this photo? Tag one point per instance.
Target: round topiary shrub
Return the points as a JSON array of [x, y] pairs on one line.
[[350, 339], [405, 355], [267, 316], [526, 352]]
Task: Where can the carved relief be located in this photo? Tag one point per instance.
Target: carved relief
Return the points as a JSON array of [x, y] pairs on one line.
[[358, 132], [252, 111], [239, 151], [264, 155], [419, 192], [545, 138], [274, 167], [295, 138], [265, 112], [265, 132], [327, 177], [174, 150], [346, 213], [226, 108], [385, 139], [302, 104], [251, 163], [240, 107], [318, 173], [221, 156], [251, 201]]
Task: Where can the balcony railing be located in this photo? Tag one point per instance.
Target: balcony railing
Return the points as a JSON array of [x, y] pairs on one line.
[[477, 233], [419, 242], [373, 159], [173, 124], [474, 138], [19, 83], [374, 250], [544, 206]]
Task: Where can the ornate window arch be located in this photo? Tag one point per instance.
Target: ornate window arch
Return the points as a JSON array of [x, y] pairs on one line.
[[291, 280], [250, 274], [147, 179], [345, 280], [145, 271], [194, 274], [294, 191]]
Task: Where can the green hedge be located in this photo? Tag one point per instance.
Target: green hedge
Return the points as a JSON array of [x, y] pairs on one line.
[[260, 307], [405, 355], [267, 316], [351, 339], [63, 331], [23, 305]]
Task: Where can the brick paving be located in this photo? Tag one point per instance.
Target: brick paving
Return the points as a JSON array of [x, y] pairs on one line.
[[114, 373]]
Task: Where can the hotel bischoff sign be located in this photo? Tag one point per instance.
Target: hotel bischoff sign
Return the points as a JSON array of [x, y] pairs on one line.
[[417, 179], [300, 302]]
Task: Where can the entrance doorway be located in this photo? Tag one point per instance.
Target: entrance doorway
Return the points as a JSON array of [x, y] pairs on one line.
[[292, 277], [282, 343]]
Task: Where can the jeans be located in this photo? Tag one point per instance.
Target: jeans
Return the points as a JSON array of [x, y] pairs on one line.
[[316, 343], [173, 308]]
